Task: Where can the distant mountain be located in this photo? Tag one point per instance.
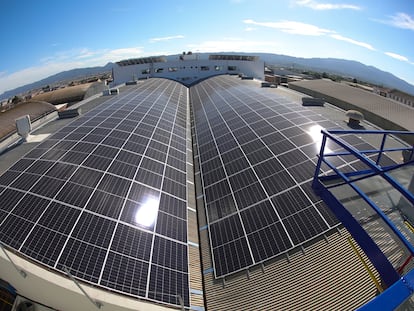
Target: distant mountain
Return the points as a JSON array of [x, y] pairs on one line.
[[63, 76], [346, 68]]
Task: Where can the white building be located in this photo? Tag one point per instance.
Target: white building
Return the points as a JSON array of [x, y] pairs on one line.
[[187, 68]]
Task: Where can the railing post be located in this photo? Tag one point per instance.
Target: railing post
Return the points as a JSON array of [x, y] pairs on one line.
[[381, 148], [315, 184]]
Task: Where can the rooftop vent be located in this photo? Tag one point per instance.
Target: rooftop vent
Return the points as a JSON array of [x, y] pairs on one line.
[[24, 127], [355, 117]]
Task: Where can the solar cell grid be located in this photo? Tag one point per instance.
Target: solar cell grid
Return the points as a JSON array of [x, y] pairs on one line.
[[232, 257], [301, 140], [149, 178], [114, 185], [252, 120], [214, 176], [166, 285], [170, 254], [73, 136], [217, 190], [177, 154], [221, 208], [301, 120], [152, 165], [243, 179], [39, 167], [250, 195], [8, 177], [132, 242], [156, 154], [96, 162], [281, 146], [269, 241], [172, 227], [61, 171], [174, 188], [93, 229], [282, 124], [82, 259], [226, 230], [173, 206], [60, 218], [259, 216], [14, 230], [36, 153], [121, 169], [259, 155], [268, 168], [125, 274], [53, 155], [44, 245], [290, 202], [58, 135], [105, 204], [25, 181], [304, 225], [303, 171], [86, 176], [74, 157], [46, 144], [292, 157], [10, 198], [47, 186], [105, 151]]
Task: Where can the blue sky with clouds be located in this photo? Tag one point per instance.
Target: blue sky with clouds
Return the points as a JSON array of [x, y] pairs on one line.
[[43, 37]]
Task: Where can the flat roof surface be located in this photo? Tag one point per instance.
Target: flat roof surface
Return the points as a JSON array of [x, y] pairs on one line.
[[386, 108]]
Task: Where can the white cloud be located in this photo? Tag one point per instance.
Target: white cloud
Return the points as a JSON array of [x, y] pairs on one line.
[[397, 56], [166, 38], [352, 41], [314, 5], [298, 28], [402, 20], [292, 27]]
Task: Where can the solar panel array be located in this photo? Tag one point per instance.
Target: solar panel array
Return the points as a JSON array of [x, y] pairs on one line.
[[257, 158], [105, 196]]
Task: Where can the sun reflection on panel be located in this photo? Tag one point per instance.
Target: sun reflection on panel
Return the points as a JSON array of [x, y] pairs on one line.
[[315, 132], [146, 213]]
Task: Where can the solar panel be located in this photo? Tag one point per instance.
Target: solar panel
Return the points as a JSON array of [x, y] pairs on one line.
[[252, 164], [105, 196]]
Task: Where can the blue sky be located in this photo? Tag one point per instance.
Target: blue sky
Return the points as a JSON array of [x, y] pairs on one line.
[[43, 37]]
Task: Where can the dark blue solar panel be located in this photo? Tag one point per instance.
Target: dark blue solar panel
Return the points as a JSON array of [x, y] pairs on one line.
[[252, 188], [87, 199]]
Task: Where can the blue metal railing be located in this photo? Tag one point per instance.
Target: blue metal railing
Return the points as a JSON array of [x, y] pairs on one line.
[[324, 184]]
